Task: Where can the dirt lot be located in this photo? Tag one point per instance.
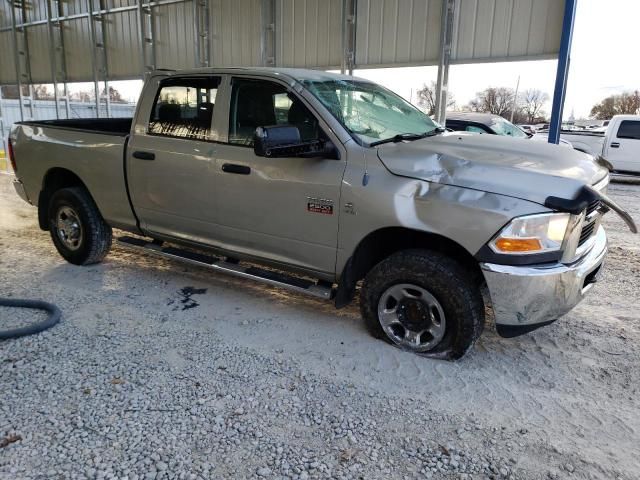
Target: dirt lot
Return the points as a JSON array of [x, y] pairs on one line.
[[252, 381]]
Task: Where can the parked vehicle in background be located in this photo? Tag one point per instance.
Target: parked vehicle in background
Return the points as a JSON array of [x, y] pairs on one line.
[[326, 180], [619, 144], [488, 123], [528, 129]]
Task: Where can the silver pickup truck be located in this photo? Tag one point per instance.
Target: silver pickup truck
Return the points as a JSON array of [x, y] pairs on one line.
[[317, 182]]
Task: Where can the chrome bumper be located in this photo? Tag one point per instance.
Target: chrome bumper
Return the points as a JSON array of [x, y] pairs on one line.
[[19, 188], [526, 297]]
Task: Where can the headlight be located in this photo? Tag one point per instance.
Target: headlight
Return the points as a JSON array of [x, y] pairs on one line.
[[532, 234]]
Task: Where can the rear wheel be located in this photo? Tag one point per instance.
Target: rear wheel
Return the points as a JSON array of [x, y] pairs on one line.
[[77, 229], [424, 302]]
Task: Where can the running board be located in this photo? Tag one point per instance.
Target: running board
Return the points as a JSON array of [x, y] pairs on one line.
[[254, 273]]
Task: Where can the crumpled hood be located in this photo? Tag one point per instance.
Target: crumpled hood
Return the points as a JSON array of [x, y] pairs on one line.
[[492, 163]]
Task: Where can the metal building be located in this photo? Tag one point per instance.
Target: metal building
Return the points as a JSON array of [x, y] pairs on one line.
[[62, 41]]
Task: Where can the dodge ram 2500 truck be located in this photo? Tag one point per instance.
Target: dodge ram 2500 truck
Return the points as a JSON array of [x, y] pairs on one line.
[[316, 182]]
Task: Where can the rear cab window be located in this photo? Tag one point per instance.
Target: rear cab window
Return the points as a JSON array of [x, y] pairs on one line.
[[629, 129], [183, 108]]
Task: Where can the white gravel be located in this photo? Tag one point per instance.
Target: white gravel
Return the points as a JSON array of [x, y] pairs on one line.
[[256, 382]]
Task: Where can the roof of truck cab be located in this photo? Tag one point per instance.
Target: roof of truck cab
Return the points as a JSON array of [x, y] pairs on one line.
[[299, 74]]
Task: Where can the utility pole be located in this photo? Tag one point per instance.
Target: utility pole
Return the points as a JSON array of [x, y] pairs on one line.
[[515, 99]]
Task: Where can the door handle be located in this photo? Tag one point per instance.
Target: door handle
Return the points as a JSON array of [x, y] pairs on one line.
[[140, 155], [615, 145], [238, 169]]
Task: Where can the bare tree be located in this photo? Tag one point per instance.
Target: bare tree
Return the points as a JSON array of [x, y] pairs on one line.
[[496, 100], [427, 99], [531, 103], [114, 95], [625, 103]]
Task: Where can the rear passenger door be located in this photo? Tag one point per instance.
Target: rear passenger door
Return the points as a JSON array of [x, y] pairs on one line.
[[171, 160], [623, 148]]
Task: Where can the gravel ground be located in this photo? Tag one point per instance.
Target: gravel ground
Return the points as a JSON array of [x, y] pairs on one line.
[[158, 371]]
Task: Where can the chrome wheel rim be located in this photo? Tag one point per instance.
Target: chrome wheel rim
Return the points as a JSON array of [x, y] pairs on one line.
[[69, 228], [411, 317]]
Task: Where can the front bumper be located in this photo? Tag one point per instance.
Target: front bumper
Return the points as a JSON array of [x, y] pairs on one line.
[[527, 297]]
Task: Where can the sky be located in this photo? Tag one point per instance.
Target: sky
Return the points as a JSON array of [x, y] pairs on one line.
[[604, 61]]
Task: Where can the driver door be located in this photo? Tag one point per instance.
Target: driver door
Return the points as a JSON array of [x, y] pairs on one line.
[[282, 209]]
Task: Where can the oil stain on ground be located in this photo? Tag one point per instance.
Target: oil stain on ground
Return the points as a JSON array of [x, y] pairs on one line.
[[185, 299]]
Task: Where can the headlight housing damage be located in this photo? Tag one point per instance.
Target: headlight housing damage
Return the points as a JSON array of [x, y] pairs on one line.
[[532, 234]]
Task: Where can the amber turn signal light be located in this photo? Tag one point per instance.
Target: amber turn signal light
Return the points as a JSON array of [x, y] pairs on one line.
[[518, 244]]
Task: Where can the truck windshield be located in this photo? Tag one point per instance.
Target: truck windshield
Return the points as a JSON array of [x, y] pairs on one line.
[[505, 127], [371, 112]]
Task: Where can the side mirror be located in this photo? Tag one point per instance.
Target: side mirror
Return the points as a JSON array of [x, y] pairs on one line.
[[279, 141]]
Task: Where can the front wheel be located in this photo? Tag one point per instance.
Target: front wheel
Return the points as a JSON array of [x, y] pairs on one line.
[[424, 302], [77, 229]]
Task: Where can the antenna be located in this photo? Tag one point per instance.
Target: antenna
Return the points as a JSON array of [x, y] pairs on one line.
[[365, 177]]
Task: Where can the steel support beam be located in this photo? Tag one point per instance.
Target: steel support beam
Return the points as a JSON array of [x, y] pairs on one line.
[[2, 140], [20, 52], [449, 8], [562, 73], [99, 58], [268, 33], [53, 57], [349, 12], [146, 37], [201, 17]]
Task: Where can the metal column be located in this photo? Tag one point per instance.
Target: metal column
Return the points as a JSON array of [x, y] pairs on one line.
[[562, 74], [446, 35], [146, 37], [349, 12], [2, 141], [201, 17], [99, 58], [268, 33], [21, 54]]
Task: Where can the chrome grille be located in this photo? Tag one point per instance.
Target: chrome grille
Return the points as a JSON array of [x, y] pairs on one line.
[[591, 222], [593, 206], [586, 232]]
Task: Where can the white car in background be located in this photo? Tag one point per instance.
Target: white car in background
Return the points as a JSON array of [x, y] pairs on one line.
[[619, 144]]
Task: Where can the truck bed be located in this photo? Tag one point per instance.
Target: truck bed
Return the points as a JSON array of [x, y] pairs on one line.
[[109, 126], [91, 149]]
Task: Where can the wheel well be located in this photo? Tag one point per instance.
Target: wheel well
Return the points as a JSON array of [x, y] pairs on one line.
[[382, 243], [54, 180]]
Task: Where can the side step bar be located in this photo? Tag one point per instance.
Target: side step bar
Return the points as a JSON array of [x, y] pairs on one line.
[[254, 273]]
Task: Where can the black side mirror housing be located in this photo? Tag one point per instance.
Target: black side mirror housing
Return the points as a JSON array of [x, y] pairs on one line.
[[278, 141]]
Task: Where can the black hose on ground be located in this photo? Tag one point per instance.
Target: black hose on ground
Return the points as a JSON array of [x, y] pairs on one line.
[[52, 319]]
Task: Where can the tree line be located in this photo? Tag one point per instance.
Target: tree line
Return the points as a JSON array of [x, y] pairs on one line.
[[529, 105], [45, 92]]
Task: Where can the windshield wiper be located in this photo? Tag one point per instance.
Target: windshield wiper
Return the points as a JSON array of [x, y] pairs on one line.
[[408, 136]]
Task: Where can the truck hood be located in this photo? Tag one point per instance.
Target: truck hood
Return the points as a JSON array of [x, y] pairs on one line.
[[507, 166]]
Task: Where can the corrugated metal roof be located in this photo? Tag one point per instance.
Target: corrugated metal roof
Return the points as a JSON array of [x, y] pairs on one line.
[[308, 33], [400, 32], [495, 30], [235, 32]]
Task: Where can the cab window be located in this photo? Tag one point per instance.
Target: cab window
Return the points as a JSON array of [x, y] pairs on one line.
[[473, 128], [629, 129], [260, 103], [184, 108]]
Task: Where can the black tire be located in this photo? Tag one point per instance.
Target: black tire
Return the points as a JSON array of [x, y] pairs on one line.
[[94, 242], [446, 281]]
